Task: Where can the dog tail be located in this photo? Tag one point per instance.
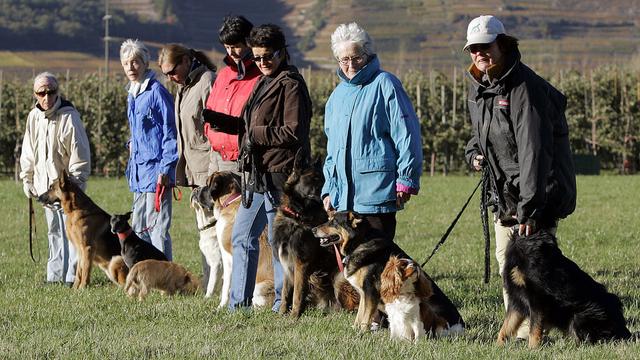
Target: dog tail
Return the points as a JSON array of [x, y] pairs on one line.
[[117, 270]]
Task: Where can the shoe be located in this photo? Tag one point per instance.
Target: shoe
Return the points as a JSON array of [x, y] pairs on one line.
[[68, 284]]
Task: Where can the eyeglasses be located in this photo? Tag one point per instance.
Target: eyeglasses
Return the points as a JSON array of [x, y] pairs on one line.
[[172, 72], [267, 57], [479, 47], [358, 59], [44, 93]]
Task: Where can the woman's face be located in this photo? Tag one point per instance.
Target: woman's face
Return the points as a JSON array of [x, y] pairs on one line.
[[236, 51], [46, 95], [134, 68], [351, 59], [177, 72], [267, 59], [485, 55]]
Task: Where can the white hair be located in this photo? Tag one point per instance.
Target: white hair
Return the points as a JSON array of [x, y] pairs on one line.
[[134, 48], [352, 33], [45, 78]]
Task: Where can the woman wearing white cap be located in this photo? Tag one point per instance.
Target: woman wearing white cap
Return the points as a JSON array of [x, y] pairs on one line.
[[54, 142], [520, 133]]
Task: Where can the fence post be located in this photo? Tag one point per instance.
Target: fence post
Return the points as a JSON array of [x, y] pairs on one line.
[[1, 89], [455, 87]]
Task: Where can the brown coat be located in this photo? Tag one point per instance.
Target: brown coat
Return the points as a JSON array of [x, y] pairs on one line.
[[194, 149], [278, 121]]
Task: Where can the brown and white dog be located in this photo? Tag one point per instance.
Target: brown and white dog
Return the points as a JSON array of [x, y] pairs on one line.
[[216, 206], [166, 276], [405, 291]]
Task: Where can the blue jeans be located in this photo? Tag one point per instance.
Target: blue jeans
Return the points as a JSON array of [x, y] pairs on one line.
[[247, 228], [61, 265], [151, 226]]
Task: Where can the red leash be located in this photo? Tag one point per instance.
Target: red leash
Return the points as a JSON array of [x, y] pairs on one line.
[[159, 194], [338, 258]]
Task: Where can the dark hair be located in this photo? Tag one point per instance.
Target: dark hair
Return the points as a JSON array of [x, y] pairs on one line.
[[234, 29], [507, 44], [267, 36], [173, 54]]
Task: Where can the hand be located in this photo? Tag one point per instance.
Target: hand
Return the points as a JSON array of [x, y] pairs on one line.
[[163, 179], [402, 198], [29, 190], [326, 201], [527, 228], [211, 117], [478, 161]]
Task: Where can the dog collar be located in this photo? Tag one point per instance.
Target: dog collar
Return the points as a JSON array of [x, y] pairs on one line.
[[287, 210], [208, 226], [125, 234], [229, 200]]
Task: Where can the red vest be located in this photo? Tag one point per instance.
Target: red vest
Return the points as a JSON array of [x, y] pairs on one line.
[[228, 95]]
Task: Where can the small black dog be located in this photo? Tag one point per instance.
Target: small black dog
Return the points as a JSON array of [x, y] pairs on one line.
[[553, 292], [309, 269], [134, 249]]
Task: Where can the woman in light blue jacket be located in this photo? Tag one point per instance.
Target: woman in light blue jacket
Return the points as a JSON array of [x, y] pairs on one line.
[[153, 151], [374, 150]]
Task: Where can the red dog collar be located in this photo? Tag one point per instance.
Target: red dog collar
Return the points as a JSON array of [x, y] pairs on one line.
[[125, 234]]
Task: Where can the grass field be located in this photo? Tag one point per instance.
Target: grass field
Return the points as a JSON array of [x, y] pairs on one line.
[[38, 321]]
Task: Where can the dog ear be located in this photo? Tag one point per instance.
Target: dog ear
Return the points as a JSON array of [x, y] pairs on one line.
[[354, 218], [423, 285], [390, 280], [128, 215]]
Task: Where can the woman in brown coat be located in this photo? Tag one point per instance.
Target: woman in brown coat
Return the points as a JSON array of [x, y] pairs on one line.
[[273, 128]]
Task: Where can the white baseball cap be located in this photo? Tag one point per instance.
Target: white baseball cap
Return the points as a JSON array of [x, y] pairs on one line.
[[483, 30]]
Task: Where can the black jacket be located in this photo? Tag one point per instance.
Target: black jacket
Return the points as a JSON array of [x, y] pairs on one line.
[[518, 124]]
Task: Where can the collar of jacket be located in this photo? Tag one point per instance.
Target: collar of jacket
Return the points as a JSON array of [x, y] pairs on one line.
[[289, 71], [365, 75], [194, 75], [247, 61], [495, 76], [49, 114], [137, 88]]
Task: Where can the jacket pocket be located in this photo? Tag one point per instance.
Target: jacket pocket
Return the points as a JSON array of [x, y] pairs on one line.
[[375, 181], [150, 138]]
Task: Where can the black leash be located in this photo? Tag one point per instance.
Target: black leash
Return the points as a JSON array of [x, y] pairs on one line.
[[484, 181], [32, 229]]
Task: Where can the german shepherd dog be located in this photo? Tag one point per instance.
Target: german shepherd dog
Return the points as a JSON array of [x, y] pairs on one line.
[[365, 260], [309, 269], [216, 206], [166, 276], [133, 248], [88, 228], [553, 292]]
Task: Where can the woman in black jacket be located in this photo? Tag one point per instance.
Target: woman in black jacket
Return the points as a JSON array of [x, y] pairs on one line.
[[520, 134]]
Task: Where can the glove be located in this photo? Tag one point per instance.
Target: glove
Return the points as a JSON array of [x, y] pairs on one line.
[[29, 190], [211, 117]]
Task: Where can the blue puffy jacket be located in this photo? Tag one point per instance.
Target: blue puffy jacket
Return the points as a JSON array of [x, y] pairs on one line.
[[153, 146], [374, 146]]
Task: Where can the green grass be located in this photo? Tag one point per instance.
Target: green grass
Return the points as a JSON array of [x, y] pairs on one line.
[[38, 321]]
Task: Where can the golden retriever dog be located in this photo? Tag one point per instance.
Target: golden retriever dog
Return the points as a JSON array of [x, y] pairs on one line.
[[216, 205], [89, 231], [166, 276], [405, 291]]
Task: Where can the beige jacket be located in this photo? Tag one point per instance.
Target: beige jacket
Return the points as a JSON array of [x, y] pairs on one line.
[[194, 149], [54, 141]]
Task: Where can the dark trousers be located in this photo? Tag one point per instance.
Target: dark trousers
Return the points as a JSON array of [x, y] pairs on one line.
[[381, 225]]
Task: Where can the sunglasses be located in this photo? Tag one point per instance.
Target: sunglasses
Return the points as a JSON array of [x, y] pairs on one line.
[[44, 93], [479, 47], [267, 57], [172, 72]]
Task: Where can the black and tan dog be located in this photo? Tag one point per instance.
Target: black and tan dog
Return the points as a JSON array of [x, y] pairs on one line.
[[133, 248], [309, 269], [553, 292], [365, 260], [88, 228]]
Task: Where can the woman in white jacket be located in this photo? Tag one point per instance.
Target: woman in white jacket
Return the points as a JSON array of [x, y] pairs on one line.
[[54, 141]]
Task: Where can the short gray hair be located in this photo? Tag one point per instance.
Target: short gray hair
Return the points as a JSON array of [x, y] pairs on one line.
[[351, 33], [134, 48], [43, 78]]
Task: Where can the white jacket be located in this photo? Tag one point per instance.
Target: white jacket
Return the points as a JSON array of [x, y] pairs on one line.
[[54, 141]]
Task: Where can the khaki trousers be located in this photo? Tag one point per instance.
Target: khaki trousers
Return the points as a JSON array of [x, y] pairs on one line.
[[504, 234]]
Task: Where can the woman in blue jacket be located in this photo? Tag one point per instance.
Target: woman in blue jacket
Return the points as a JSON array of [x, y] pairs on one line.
[[374, 150], [153, 150]]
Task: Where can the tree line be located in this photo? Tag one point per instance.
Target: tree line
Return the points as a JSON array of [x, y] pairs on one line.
[[602, 112]]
